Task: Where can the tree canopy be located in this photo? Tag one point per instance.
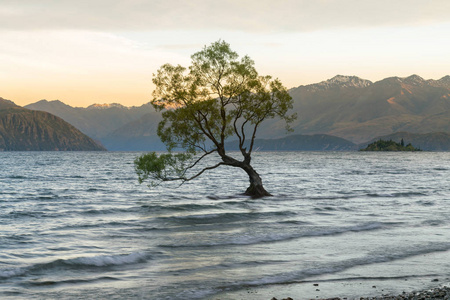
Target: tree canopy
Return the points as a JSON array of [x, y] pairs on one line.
[[218, 97]]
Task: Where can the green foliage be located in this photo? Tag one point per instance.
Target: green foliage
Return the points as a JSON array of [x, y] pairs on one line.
[[162, 167], [218, 96], [390, 145]]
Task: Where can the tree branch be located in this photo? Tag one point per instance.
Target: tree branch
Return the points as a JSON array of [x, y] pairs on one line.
[[206, 131], [205, 169], [199, 159], [238, 115], [184, 179], [243, 131], [254, 132]]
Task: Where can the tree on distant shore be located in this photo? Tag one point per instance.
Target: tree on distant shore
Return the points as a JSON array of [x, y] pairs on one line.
[[218, 97], [382, 145]]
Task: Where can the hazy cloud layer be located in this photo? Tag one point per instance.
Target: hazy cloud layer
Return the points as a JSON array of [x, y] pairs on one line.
[[250, 15], [96, 51]]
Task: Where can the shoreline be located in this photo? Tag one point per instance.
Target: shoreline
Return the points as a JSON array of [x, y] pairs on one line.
[[442, 292], [439, 293], [348, 290]]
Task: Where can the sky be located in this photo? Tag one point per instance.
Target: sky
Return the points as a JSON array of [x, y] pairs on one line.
[[106, 51]]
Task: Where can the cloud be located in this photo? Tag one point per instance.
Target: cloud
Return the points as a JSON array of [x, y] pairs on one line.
[[74, 51], [250, 15], [180, 46]]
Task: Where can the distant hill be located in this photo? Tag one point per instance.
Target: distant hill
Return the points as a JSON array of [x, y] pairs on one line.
[[97, 120], [389, 145], [138, 135], [348, 107], [117, 127], [437, 141], [27, 130], [316, 142]]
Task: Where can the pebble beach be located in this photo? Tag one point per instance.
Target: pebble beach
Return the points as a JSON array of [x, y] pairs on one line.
[[440, 293], [436, 293]]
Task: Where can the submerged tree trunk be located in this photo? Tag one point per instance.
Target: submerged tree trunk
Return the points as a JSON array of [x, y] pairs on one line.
[[256, 188]]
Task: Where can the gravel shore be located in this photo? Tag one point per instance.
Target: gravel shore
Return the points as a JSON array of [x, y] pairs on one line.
[[441, 293], [436, 293]]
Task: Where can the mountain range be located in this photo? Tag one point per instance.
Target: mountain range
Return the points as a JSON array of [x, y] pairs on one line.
[[117, 127], [348, 107], [23, 129], [359, 110]]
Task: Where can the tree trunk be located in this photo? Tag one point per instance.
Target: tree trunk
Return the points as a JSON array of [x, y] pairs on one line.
[[256, 189]]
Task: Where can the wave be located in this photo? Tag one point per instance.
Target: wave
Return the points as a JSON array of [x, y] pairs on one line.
[[125, 178], [68, 281], [78, 263], [333, 197], [433, 222], [107, 211], [12, 273], [241, 197], [405, 194], [440, 169], [98, 224], [300, 276], [224, 266], [47, 197], [91, 190], [425, 203], [372, 278], [294, 222], [272, 238], [15, 239], [229, 217], [325, 208], [178, 207], [36, 214], [107, 260], [16, 177]]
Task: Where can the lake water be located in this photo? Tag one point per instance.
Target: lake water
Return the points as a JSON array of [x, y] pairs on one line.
[[77, 225]]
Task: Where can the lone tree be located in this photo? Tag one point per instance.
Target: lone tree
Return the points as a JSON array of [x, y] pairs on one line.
[[218, 97]]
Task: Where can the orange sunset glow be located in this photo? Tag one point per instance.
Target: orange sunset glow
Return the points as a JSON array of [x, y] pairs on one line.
[[106, 51]]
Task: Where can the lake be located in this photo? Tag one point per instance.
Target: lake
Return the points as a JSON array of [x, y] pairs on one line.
[[77, 225]]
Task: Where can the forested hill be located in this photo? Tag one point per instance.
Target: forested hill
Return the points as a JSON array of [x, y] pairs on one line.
[[390, 145], [435, 141], [27, 130]]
